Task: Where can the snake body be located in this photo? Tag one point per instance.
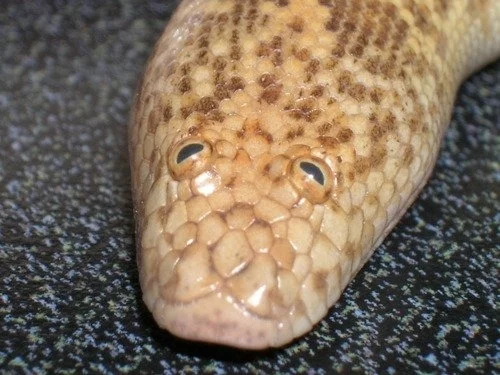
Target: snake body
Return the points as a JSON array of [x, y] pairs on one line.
[[275, 143]]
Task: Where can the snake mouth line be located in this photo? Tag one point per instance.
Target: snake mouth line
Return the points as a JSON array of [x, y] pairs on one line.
[[219, 318], [223, 291]]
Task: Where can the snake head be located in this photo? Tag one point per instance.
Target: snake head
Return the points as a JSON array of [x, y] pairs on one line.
[[240, 246]]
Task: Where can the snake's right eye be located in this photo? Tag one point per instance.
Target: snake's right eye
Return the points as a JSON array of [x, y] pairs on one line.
[[312, 177], [189, 158]]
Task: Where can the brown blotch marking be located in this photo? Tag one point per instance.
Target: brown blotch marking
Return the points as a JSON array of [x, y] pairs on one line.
[[235, 83], [408, 155], [376, 95], [338, 178], [302, 54], [221, 91], [390, 122], [313, 66], [281, 3], [184, 85], [349, 26], [186, 111], [154, 156], [219, 64], [423, 18], [237, 13], [297, 24], [265, 19], [304, 110], [185, 69], [235, 52], [267, 79], [202, 57], [357, 91], [292, 134], [252, 16], [388, 67], [377, 156], [235, 36], [325, 3], [271, 93], [319, 282], [219, 77], [344, 135], [167, 113], [337, 14], [272, 49], [387, 125], [318, 91], [358, 50], [252, 126], [361, 165], [324, 128], [266, 169], [154, 120], [277, 58], [441, 7], [366, 32], [372, 65], [383, 35], [216, 115], [206, 104], [263, 50], [344, 82], [311, 69], [390, 10], [373, 6], [338, 51], [344, 37], [331, 63], [276, 42], [400, 34], [159, 167], [328, 142], [222, 18], [203, 41]]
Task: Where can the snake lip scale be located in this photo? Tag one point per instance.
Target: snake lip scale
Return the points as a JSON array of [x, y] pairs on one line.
[[275, 143]]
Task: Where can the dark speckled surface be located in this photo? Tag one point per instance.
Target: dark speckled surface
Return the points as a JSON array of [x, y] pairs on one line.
[[427, 302]]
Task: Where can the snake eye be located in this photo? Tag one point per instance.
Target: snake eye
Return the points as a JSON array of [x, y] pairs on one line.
[[188, 151], [313, 171], [312, 177], [189, 158]]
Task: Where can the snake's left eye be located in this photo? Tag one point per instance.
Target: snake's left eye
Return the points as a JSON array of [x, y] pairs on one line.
[[189, 158], [312, 177]]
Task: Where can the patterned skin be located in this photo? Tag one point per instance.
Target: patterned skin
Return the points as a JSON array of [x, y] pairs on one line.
[[274, 145]]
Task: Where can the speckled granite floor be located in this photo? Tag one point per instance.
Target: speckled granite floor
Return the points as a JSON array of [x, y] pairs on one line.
[[69, 293]]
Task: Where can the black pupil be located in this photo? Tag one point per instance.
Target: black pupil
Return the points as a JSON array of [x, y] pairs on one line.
[[313, 171], [188, 151]]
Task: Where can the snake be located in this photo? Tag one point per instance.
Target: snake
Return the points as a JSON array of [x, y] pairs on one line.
[[274, 144]]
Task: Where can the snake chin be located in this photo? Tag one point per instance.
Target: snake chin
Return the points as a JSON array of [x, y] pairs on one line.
[[219, 319]]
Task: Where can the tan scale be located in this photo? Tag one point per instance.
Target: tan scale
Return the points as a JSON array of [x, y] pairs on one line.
[[275, 143]]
